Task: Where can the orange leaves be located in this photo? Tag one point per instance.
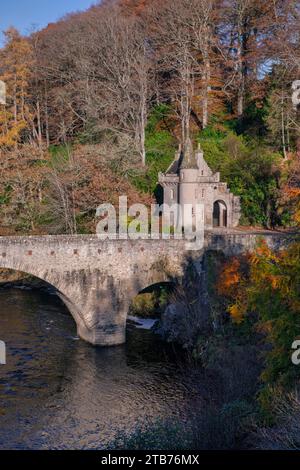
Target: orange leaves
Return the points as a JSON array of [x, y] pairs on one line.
[[275, 281], [231, 285], [135, 7], [293, 192], [290, 190], [229, 278], [294, 195]]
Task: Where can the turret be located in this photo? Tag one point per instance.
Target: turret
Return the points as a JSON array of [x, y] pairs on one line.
[[188, 166], [188, 178]]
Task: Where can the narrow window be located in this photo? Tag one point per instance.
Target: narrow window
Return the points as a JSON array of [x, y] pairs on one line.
[[203, 192], [172, 194]]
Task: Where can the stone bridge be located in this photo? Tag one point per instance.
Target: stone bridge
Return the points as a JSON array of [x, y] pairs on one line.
[[97, 280]]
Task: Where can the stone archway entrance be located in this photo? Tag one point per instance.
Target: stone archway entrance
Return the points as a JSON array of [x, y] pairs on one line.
[[220, 214]]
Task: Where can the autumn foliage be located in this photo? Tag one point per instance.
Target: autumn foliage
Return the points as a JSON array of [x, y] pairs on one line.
[[220, 69], [16, 62], [268, 295]]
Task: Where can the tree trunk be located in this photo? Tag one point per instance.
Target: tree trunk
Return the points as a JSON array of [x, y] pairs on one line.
[[206, 80], [39, 127], [241, 48], [47, 117], [143, 127]]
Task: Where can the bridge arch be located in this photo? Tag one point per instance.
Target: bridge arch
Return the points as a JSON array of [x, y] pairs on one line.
[[170, 283], [33, 272], [152, 299]]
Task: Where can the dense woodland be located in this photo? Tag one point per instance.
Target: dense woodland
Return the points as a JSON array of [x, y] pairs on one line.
[[98, 103], [103, 98]]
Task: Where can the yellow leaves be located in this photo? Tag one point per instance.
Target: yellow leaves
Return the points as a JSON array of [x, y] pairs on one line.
[[16, 61], [262, 252], [11, 137], [297, 215], [237, 312], [277, 271], [264, 267]]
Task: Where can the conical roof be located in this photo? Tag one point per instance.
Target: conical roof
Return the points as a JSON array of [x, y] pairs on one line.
[[189, 160]]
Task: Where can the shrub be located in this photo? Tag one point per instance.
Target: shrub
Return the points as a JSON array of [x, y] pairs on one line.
[[249, 168], [284, 433], [270, 295]]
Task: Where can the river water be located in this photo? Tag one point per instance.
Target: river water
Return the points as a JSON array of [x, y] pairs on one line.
[[57, 392]]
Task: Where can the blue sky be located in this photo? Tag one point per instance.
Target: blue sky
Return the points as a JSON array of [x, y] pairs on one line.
[[23, 14]]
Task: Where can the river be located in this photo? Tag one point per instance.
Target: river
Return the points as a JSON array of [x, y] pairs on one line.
[[58, 392]]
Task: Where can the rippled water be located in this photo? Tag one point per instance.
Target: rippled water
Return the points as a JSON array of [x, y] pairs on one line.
[[58, 392]]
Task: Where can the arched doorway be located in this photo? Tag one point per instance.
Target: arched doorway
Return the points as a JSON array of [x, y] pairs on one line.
[[220, 214]]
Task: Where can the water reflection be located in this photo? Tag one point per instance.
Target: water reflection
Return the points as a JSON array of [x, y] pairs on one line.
[[58, 392]]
